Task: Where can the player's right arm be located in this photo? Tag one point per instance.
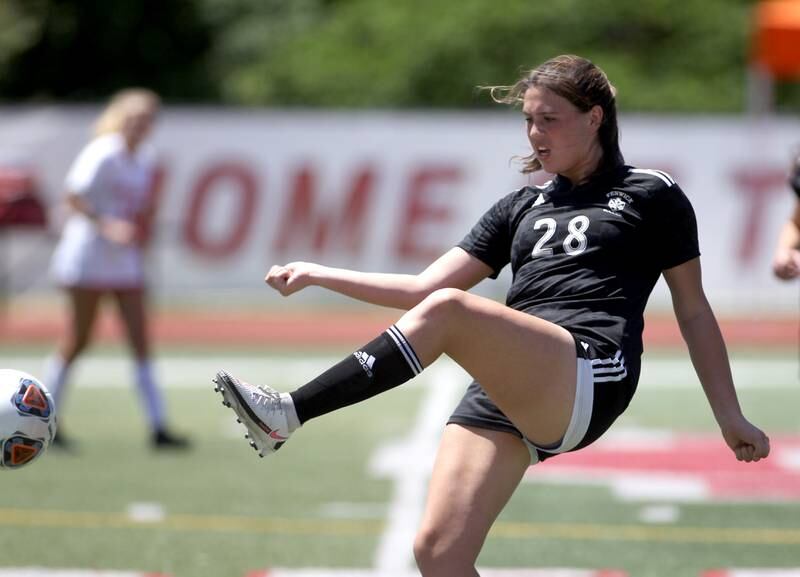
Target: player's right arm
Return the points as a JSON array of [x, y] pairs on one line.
[[116, 230], [454, 269], [83, 177]]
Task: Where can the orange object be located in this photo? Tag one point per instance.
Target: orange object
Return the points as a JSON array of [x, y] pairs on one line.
[[21, 454], [33, 397], [777, 37]]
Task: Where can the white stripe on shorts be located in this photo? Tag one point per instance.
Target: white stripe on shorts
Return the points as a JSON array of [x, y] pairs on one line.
[[581, 413], [605, 370]]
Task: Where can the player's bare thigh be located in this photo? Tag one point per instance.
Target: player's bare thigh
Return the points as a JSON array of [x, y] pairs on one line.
[[475, 473], [132, 309], [84, 304], [526, 365]]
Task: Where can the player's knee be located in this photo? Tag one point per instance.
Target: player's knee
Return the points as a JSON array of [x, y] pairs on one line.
[[74, 347], [425, 549], [444, 302], [435, 553], [140, 350]]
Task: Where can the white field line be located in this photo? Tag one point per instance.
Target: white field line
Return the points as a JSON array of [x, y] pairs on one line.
[[146, 512], [188, 371], [409, 462]]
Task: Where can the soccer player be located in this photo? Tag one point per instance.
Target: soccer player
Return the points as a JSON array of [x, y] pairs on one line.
[[100, 250], [786, 262], [559, 361]]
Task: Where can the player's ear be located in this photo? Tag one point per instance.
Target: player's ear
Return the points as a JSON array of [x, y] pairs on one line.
[[596, 116]]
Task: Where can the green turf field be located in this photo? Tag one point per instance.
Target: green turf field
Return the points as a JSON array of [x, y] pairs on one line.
[[345, 492]]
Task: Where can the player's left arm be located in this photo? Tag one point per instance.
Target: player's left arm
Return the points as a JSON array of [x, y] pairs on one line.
[[786, 261], [709, 356]]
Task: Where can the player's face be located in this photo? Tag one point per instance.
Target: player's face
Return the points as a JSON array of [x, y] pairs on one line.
[[137, 126], [564, 139]]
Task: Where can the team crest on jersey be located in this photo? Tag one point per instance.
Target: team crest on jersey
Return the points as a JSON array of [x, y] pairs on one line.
[[616, 204], [617, 201]]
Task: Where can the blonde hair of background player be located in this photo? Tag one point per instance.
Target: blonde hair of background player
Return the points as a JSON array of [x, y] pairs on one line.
[[124, 105]]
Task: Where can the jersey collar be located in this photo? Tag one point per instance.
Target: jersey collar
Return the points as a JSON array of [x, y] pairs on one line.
[[600, 179]]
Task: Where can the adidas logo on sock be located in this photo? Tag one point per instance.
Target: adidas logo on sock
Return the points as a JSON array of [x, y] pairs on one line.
[[366, 360]]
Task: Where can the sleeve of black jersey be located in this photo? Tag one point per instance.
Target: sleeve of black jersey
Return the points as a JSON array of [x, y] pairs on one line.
[[675, 227], [490, 239]]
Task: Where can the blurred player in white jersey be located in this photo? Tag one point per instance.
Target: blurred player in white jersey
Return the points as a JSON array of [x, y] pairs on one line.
[[786, 262], [110, 208]]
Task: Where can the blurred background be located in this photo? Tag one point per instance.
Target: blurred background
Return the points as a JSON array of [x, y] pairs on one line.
[[355, 133]]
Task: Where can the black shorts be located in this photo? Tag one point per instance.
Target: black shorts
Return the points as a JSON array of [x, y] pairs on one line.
[[604, 390]]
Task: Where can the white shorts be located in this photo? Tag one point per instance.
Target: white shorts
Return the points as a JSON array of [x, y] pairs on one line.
[[83, 258]]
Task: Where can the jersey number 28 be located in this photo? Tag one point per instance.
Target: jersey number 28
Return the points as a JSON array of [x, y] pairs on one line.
[[575, 241]]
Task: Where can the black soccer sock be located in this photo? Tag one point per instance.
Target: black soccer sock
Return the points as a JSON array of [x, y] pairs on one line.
[[380, 365]]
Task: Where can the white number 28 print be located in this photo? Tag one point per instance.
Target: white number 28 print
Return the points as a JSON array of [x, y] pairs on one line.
[[575, 241]]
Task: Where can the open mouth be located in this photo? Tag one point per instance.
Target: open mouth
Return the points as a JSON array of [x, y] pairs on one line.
[[542, 152]]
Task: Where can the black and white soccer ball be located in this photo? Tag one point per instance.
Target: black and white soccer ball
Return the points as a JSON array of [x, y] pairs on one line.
[[27, 419]]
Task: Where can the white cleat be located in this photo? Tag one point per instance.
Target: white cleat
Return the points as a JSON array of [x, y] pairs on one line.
[[259, 409]]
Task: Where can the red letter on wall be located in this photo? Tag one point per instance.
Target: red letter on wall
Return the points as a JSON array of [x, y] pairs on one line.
[[421, 210], [323, 227], [238, 222]]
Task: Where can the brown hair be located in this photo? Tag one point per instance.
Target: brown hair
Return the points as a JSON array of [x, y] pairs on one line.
[[582, 83]]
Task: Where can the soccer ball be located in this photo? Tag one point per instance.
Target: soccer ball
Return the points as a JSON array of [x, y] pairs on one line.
[[27, 418]]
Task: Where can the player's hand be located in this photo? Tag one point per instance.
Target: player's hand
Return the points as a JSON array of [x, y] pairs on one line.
[[119, 231], [786, 264], [290, 278], [748, 442]]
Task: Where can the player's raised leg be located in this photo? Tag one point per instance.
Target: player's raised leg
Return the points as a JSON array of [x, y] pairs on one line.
[[527, 366], [270, 417]]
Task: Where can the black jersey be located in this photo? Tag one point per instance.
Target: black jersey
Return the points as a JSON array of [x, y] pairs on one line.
[[587, 257]]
